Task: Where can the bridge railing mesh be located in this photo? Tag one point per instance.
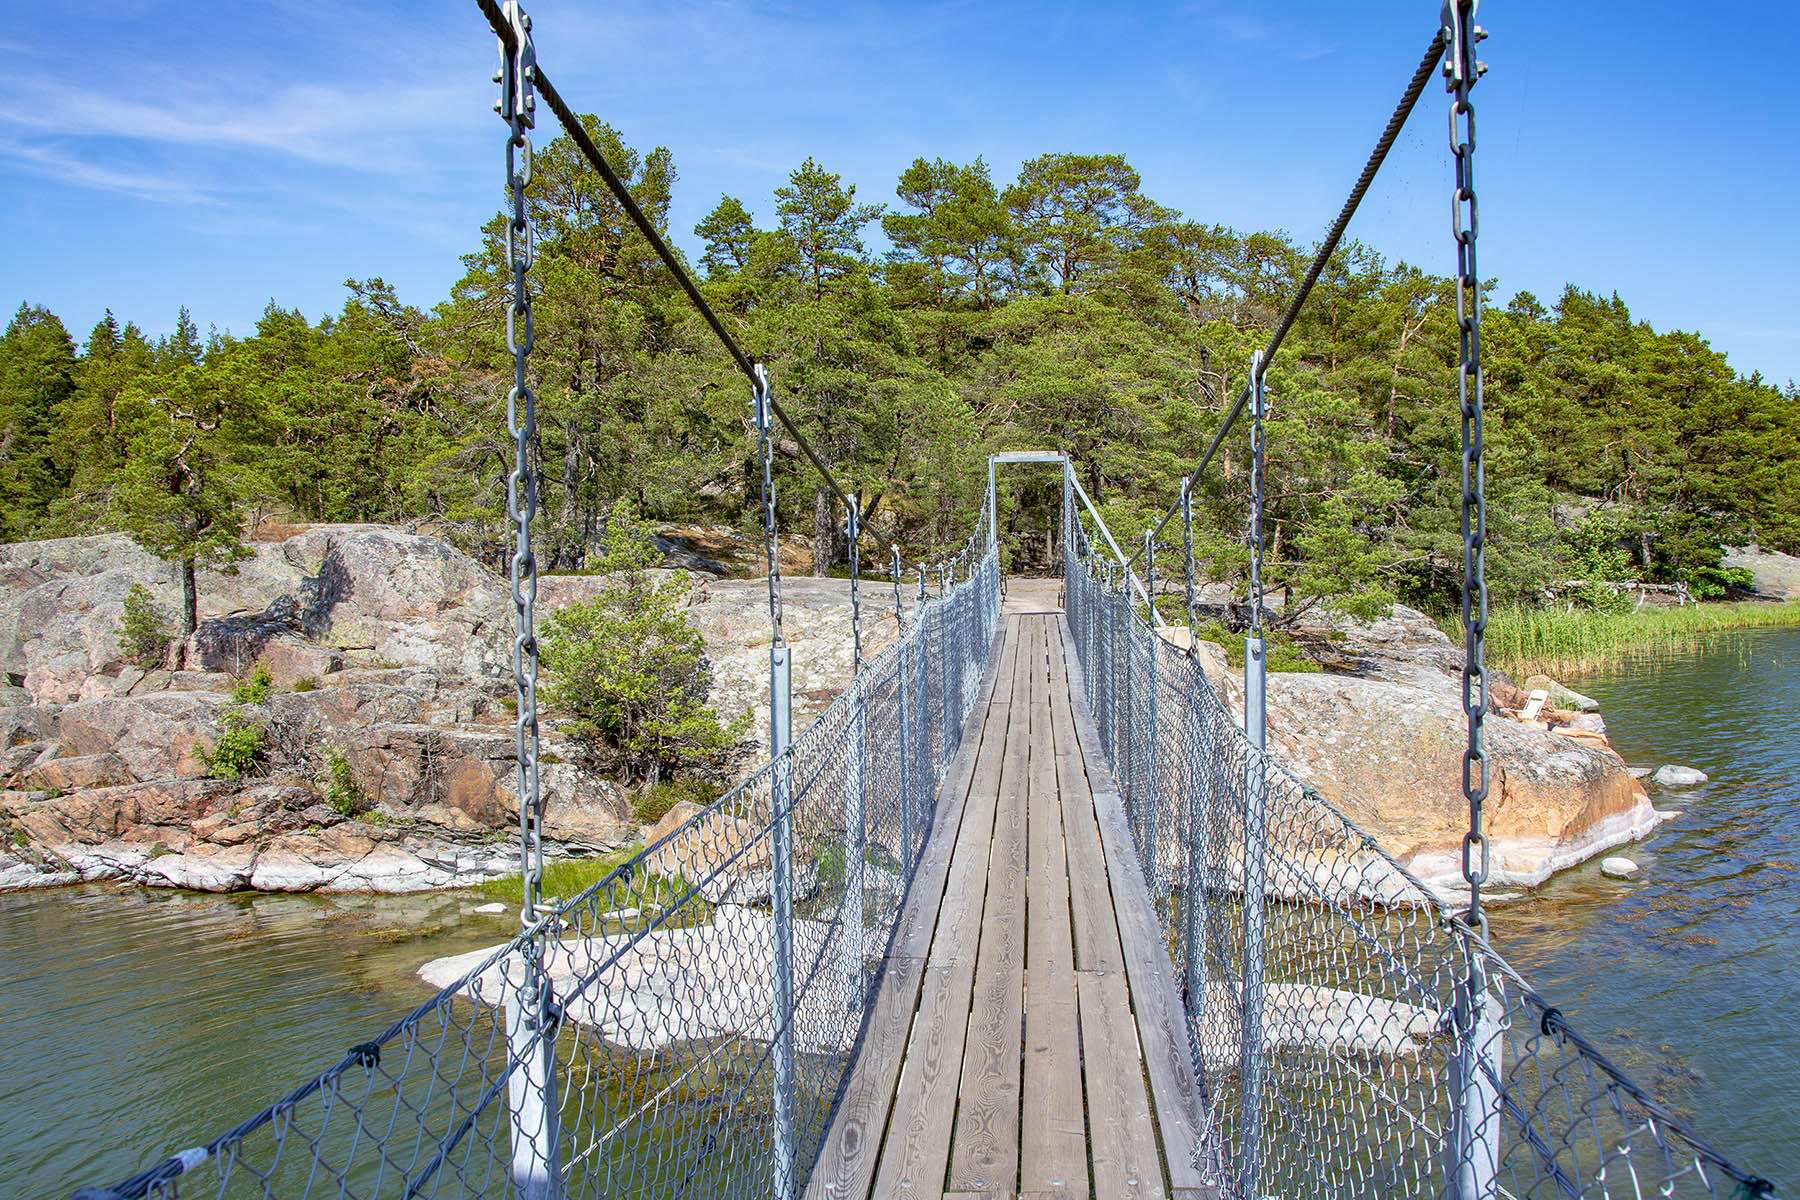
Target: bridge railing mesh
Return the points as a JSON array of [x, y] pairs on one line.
[[664, 1060], [1370, 1044]]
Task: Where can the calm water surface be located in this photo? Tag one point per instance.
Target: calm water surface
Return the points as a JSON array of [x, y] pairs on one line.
[[133, 1023], [1686, 976], [136, 1022]]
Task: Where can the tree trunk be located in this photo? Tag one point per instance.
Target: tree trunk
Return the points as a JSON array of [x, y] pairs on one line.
[[190, 599], [824, 532], [1050, 548]]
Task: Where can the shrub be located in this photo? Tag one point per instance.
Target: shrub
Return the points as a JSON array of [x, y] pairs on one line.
[[1714, 583], [141, 635], [239, 750], [256, 688], [306, 683], [654, 802], [342, 790], [630, 667]]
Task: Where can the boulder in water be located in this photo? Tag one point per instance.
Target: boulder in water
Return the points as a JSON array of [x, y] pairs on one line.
[[1560, 696], [1677, 778], [1618, 866]]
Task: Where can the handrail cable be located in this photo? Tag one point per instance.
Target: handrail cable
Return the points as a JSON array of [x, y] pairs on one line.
[[579, 134], [1327, 248]]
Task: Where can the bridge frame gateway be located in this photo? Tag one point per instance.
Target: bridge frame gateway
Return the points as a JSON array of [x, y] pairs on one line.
[[1016, 456]]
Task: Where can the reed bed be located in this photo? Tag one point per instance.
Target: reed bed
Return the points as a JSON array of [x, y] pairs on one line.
[[1563, 643]]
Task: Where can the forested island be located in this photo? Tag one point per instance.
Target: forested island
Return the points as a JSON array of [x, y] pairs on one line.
[[1064, 308]]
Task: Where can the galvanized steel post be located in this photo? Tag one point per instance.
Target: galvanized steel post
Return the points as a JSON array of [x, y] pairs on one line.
[[854, 838], [1197, 742], [1472, 1143], [993, 521], [1151, 749], [781, 835], [943, 645], [903, 703], [1250, 1070]]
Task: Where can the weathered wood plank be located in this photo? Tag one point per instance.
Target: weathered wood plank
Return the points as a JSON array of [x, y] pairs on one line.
[[1096, 935], [984, 1154], [1124, 1137], [1053, 1127], [1155, 996], [916, 1149], [849, 1156]]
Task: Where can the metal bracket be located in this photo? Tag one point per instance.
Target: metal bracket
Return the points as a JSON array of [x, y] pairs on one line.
[[518, 99], [1456, 53]]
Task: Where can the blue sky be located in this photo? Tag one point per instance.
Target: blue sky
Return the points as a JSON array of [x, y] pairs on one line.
[[220, 155]]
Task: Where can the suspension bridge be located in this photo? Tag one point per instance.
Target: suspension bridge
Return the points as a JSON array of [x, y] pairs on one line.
[[1028, 911]]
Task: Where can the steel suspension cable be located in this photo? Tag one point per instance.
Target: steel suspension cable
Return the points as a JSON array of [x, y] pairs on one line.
[[616, 185], [1414, 89]]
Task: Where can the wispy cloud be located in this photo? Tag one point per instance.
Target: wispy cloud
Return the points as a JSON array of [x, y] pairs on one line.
[[52, 163], [314, 123]]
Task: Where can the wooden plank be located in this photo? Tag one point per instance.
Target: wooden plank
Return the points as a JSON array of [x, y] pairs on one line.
[[1053, 1126], [849, 1155], [916, 1149], [1124, 1137], [984, 1154], [1155, 996], [1096, 936]]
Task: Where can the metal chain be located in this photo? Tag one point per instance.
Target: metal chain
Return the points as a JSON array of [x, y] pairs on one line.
[[899, 603], [1187, 555], [1258, 399], [761, 404], [516, 106], [1461, 70], [1150, 576]]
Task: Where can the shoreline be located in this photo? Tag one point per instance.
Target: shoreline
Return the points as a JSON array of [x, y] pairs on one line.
[[1530, 642]]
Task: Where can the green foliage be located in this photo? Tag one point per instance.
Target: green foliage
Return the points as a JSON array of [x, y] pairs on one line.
[[1280, 648], [629, 665], [306, 683], [1716, 582], [1561, 643], [648, 894], [142, 635], [830, 862], [255, 687], [239, 750], [340, 786], [37, 376], [1060, 308], [655, 801]]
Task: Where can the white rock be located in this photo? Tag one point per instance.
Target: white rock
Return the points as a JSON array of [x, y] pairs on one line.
[[495, 907], [1677, 778], [1618, 867]]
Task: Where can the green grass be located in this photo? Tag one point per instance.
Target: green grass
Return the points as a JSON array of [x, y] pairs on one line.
[[1560, 643], [563, 877], [566, 878]]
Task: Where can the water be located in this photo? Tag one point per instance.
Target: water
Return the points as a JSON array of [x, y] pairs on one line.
[[1686, 975], [134, 1023]]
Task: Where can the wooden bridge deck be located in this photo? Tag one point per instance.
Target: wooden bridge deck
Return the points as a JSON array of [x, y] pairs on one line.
[[1027, 1039]]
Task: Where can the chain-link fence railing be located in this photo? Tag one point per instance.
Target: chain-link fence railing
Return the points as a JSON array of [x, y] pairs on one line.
[[1351, 1036], [679, 1040]]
